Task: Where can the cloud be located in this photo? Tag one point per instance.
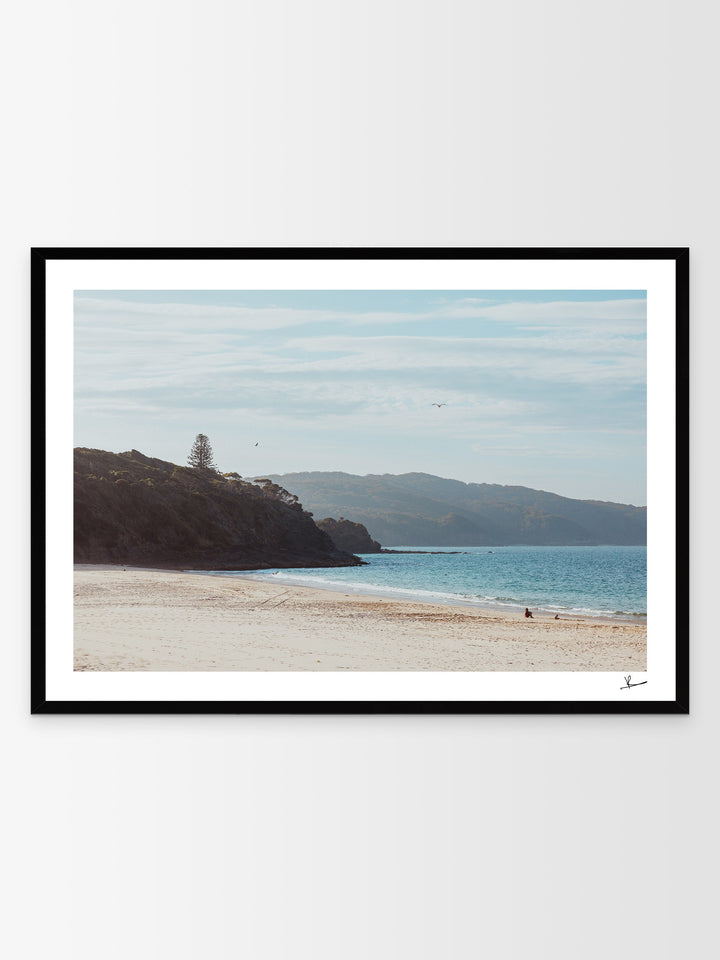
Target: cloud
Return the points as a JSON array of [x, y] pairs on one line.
[[544, 358], [558, 312], [214, 318], [617, 316]]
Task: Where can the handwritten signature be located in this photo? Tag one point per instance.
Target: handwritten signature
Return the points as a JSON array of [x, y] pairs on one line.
[[628, 678]]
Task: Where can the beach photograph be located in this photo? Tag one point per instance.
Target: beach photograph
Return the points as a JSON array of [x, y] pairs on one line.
[[360, 480]]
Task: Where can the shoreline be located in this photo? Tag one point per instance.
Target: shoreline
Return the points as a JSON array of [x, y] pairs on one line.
[[136, 618], [402, 596], [399, 596]]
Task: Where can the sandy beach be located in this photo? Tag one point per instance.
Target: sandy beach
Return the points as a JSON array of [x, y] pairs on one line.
[[135, 619]]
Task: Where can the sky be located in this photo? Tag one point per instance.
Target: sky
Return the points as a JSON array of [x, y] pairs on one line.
[[544, 389]]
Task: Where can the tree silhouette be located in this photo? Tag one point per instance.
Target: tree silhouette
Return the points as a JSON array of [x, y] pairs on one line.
[[201, 455]]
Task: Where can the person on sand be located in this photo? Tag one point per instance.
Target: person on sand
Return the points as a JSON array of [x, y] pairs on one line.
[[528, 613]]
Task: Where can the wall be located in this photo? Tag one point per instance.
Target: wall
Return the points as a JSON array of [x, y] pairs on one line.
[[523, 123]]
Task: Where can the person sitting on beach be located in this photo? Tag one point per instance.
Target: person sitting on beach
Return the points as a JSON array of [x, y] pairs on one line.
[[527, 613]]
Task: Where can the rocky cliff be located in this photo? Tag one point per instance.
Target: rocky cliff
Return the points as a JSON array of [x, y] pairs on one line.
[[134, 509], [349, 536]]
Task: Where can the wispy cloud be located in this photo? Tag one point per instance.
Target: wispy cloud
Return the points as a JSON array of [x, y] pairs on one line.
[[624, 315], [577, 358]]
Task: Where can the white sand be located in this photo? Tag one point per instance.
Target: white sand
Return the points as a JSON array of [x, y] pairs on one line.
[[134, 619]]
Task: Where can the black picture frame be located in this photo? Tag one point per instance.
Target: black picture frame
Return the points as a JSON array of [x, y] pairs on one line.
[[43, 620]]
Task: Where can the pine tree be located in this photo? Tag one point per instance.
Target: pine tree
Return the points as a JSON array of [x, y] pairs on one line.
[[201, 455]]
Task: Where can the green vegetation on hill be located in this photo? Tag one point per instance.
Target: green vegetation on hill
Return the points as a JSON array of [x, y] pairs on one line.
[[134, 509], [418, 509]]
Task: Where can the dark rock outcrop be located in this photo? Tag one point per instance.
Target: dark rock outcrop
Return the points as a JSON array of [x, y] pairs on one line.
[[349, 536], [134, 509]]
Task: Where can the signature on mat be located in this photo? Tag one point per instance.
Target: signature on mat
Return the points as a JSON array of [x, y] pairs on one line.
[[628, 678]]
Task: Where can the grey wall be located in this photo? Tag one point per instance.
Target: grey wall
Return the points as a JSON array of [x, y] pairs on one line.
[[516, 123]]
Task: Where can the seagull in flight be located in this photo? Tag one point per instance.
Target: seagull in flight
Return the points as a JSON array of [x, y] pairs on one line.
[[438, 405], [257, 443]]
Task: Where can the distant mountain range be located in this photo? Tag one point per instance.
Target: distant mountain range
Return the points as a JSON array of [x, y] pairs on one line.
[[418, 509]]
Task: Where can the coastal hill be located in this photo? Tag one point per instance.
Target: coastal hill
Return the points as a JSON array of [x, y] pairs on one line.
[[418, 509], [134, 509], [349, 536]]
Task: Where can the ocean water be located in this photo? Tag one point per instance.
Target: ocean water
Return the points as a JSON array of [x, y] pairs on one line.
[[575, 581]]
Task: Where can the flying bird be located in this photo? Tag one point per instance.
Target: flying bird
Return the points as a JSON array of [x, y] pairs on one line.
[[257, 443], [438, 405]]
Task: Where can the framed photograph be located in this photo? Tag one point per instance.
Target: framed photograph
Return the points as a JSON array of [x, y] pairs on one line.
[[274, 480]]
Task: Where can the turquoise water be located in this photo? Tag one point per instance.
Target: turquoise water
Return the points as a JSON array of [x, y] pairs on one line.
[[575, 581]]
